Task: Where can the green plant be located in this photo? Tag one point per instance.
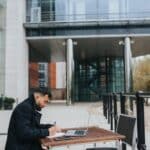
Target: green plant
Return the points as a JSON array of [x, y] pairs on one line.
[[1, 102], [8, 102], [141, 75]]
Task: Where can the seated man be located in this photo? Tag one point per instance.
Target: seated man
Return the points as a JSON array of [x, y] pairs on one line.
[[25, 130]]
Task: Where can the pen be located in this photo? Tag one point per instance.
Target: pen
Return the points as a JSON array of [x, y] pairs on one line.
[[54, 123]]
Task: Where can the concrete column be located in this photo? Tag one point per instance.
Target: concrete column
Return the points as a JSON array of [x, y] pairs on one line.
[[16, 55], [128, 64], [70, 70]]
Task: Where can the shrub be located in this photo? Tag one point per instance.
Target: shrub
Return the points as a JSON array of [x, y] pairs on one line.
[[8, 103]]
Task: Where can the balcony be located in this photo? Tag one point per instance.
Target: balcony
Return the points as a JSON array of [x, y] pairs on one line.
[[86, 12], [106, 19], [38, 17]]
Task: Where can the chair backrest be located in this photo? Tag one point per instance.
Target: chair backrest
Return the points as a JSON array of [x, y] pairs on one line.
[[126, 126]]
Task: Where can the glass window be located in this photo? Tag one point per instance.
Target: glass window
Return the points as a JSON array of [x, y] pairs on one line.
[[41, 66], [138, 8], [80, 10], [61, 7], [42, 83], [48, 10], [43, 74], [91, 9]]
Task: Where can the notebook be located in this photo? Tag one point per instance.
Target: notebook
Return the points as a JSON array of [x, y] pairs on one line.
[[59, 134]]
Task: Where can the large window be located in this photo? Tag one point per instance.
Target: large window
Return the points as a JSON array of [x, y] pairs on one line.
[[85, 10], [43, 74]]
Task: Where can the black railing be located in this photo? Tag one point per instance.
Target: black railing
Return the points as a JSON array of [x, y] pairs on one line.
[[115, 104]]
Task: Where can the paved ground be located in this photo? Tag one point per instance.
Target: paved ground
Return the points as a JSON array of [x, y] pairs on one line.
[[69, 116]]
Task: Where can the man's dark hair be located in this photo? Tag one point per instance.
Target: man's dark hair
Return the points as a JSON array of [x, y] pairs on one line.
[[43, 91]]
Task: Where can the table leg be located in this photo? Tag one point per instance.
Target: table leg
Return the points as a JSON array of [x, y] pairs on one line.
[[94, 145], [50, 148], [68, 147]]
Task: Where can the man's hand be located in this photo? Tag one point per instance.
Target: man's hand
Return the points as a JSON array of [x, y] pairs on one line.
[[53, 130], [58, 129]]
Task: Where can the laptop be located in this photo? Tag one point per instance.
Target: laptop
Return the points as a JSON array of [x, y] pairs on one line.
[[82, 132]]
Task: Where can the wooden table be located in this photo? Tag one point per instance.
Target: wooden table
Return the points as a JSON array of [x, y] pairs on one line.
[[95, 134]]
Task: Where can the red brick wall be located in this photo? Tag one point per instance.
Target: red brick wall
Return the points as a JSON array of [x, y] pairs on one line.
[[52, 75], [33, 75], [34, 83]]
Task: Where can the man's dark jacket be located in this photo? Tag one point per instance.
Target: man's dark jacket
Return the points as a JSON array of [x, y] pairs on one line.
[[25, 130]]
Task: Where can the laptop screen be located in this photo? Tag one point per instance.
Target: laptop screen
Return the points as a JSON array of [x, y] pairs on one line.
[[126, 126]]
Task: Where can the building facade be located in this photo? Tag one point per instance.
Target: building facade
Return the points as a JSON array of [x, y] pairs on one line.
[[2, 45], [81, 49]]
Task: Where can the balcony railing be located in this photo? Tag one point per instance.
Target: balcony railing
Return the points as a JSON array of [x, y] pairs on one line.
[[40, 17]]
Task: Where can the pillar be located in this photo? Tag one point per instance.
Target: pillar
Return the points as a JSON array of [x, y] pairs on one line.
[[128, 64], [70, 71]]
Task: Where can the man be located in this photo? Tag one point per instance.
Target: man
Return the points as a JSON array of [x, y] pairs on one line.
[[25, 130]]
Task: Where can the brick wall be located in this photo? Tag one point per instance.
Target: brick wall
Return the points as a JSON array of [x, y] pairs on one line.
[[52, 75], [33, 75], [34, 83]]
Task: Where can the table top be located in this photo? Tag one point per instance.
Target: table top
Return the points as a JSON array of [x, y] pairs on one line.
[[94, 134]]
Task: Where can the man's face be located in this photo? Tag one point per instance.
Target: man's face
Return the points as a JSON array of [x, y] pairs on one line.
[[41, 100]]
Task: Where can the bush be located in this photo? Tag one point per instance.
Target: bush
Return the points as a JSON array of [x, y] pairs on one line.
[[8, 103], [1, 102]]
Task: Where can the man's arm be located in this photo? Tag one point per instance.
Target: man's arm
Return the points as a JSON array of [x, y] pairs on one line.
[[46, 126], [24, 129]]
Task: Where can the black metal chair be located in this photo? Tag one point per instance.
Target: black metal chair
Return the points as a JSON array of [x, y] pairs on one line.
[[126, 126]]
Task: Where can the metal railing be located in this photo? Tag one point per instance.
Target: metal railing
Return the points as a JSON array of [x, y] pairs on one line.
[[51, 16], [115, 104]]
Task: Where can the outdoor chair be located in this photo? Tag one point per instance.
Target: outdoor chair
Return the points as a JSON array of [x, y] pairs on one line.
[[126, 127]]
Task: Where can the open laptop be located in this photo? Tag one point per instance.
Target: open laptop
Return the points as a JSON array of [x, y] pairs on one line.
[[81, 132]]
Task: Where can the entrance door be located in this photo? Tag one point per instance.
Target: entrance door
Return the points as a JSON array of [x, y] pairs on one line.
[[100, 76]]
